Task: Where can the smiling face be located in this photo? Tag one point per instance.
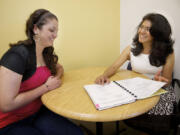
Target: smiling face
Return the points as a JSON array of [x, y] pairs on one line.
[[144, 32], [47, 33]]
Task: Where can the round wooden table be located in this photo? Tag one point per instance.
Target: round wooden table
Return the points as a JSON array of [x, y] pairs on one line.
[[72, 101]]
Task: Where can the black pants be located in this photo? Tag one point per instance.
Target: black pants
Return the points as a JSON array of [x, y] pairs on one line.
[[44, 122]]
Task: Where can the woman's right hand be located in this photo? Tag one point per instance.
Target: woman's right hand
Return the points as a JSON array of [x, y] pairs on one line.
[[102, 80], [53, 83]]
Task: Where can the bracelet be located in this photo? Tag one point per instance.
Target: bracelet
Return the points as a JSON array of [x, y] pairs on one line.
[[46, 86]]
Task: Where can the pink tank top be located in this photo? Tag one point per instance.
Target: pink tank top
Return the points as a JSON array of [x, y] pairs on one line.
[[37, 79]]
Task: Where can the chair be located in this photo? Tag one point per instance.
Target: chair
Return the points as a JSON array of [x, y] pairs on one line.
[[129, 67], [175, 121]]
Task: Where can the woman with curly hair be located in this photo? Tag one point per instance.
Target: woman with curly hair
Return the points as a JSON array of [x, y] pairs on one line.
[[151, 54], [28, 70]]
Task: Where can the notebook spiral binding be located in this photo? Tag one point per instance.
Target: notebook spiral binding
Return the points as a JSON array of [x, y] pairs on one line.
[[125, 89]]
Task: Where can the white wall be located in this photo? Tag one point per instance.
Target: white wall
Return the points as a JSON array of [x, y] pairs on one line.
[[132, 11]]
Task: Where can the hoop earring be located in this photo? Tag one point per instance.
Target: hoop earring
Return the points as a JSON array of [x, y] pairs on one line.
[[36, 38]]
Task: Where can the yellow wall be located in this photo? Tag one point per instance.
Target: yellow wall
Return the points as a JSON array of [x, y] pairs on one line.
[[89, 33]]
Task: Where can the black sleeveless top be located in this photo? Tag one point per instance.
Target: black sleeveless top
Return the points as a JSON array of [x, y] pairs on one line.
[[20, 59]]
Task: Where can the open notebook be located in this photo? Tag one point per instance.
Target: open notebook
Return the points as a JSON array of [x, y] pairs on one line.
[[123, 92]]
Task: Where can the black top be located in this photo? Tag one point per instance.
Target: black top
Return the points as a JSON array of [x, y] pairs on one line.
[[20, 59]]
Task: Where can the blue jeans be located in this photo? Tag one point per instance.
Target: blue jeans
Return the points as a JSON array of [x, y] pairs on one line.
[[44, 122]]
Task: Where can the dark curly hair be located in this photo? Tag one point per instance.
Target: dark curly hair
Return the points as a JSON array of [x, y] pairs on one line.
[[162, 44], [39, 18]]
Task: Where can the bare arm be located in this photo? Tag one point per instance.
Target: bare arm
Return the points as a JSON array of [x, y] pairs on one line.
[[124, 56], [11, 99], [60, 70], [166, 74]]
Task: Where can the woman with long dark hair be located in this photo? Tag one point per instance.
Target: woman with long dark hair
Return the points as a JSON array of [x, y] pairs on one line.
[[151, 54], [28, 70]]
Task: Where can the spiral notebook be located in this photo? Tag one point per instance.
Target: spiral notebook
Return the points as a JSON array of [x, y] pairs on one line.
[[123, 92]]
